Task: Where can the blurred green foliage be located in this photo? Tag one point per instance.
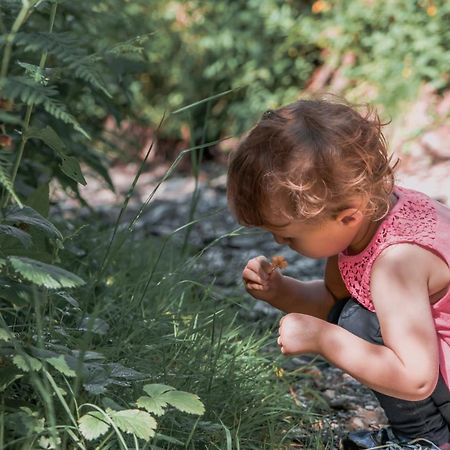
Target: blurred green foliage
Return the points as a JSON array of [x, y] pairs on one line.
[[396, 44], [268, 51], [65, 67]]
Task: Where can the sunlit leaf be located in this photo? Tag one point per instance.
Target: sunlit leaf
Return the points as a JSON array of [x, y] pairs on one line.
[[93, 425], [60, 364], [185, 402], [154, 390], [152, 405], [27, 363], [134, 421], [49, 442], [4, 335], [42, 274]]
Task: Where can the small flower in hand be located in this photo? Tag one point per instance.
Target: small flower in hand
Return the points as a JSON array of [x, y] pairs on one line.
[[278, 262]]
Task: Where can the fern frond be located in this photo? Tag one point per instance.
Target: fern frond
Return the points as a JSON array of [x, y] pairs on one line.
[[86, 71], [34, 72], [6, 182], [27, 90], [30, 92], [132, 46], [64, 46], [68, 49]]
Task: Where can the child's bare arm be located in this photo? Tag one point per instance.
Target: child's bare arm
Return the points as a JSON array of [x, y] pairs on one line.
[[406, 366], [286, 293], [333, 279]]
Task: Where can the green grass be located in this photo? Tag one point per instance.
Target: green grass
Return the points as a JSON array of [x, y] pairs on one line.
[[174, 329]]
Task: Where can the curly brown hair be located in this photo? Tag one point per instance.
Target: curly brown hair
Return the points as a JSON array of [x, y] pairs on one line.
[[316, 154]]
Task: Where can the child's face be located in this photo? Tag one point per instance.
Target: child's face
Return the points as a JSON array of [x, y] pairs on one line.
[[314, 240]]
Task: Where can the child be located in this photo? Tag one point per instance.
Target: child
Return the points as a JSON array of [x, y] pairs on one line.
[[316, 174]]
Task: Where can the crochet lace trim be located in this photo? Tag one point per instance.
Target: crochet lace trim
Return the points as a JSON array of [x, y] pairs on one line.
[[412, 219]]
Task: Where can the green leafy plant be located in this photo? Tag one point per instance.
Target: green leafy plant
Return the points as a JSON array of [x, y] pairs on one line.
[[140, 422]]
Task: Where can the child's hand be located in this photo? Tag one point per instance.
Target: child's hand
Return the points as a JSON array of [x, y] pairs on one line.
[[300, 333], [260, 278]]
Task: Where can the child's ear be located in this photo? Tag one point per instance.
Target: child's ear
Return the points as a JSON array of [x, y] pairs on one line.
[[350, 217]]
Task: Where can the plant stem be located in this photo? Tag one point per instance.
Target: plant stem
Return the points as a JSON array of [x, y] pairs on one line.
[[20, 19], [29, 110], [196, 159]]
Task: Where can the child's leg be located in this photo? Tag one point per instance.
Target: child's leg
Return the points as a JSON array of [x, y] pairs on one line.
[[429, 418]]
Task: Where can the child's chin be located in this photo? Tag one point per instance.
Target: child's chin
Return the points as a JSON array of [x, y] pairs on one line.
[[310, 254]]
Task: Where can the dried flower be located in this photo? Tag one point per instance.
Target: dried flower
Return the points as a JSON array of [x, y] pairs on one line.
[[431, 10], [320, 6], [279, 262]]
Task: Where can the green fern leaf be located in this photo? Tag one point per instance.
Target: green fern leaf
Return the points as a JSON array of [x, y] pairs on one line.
[[10, 118], [132, 46], [69, 50], [42, 274], [87, 69], [65, 46], [32, 93], [27, 90], [34, 72], [5, 181]]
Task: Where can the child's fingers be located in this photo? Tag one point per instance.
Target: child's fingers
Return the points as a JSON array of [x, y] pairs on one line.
[[261, 266], [253, 280], [280, 344], [255, 287]]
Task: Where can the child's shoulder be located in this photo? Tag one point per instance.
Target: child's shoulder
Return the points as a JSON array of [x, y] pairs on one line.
[[412, 265]]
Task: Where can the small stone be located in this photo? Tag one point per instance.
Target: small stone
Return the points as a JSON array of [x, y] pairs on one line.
[[355, 423], [437, 142]]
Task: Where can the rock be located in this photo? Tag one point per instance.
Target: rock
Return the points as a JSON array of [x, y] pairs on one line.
[[356, 423], [437, 143]]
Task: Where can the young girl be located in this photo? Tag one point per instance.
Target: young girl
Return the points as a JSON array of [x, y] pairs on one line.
[[316, 174]]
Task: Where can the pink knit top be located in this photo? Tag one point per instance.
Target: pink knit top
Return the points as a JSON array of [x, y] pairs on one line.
[[415, 219]]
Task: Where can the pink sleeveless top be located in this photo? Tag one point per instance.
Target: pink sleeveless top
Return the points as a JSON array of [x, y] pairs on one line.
[[415, 219]]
